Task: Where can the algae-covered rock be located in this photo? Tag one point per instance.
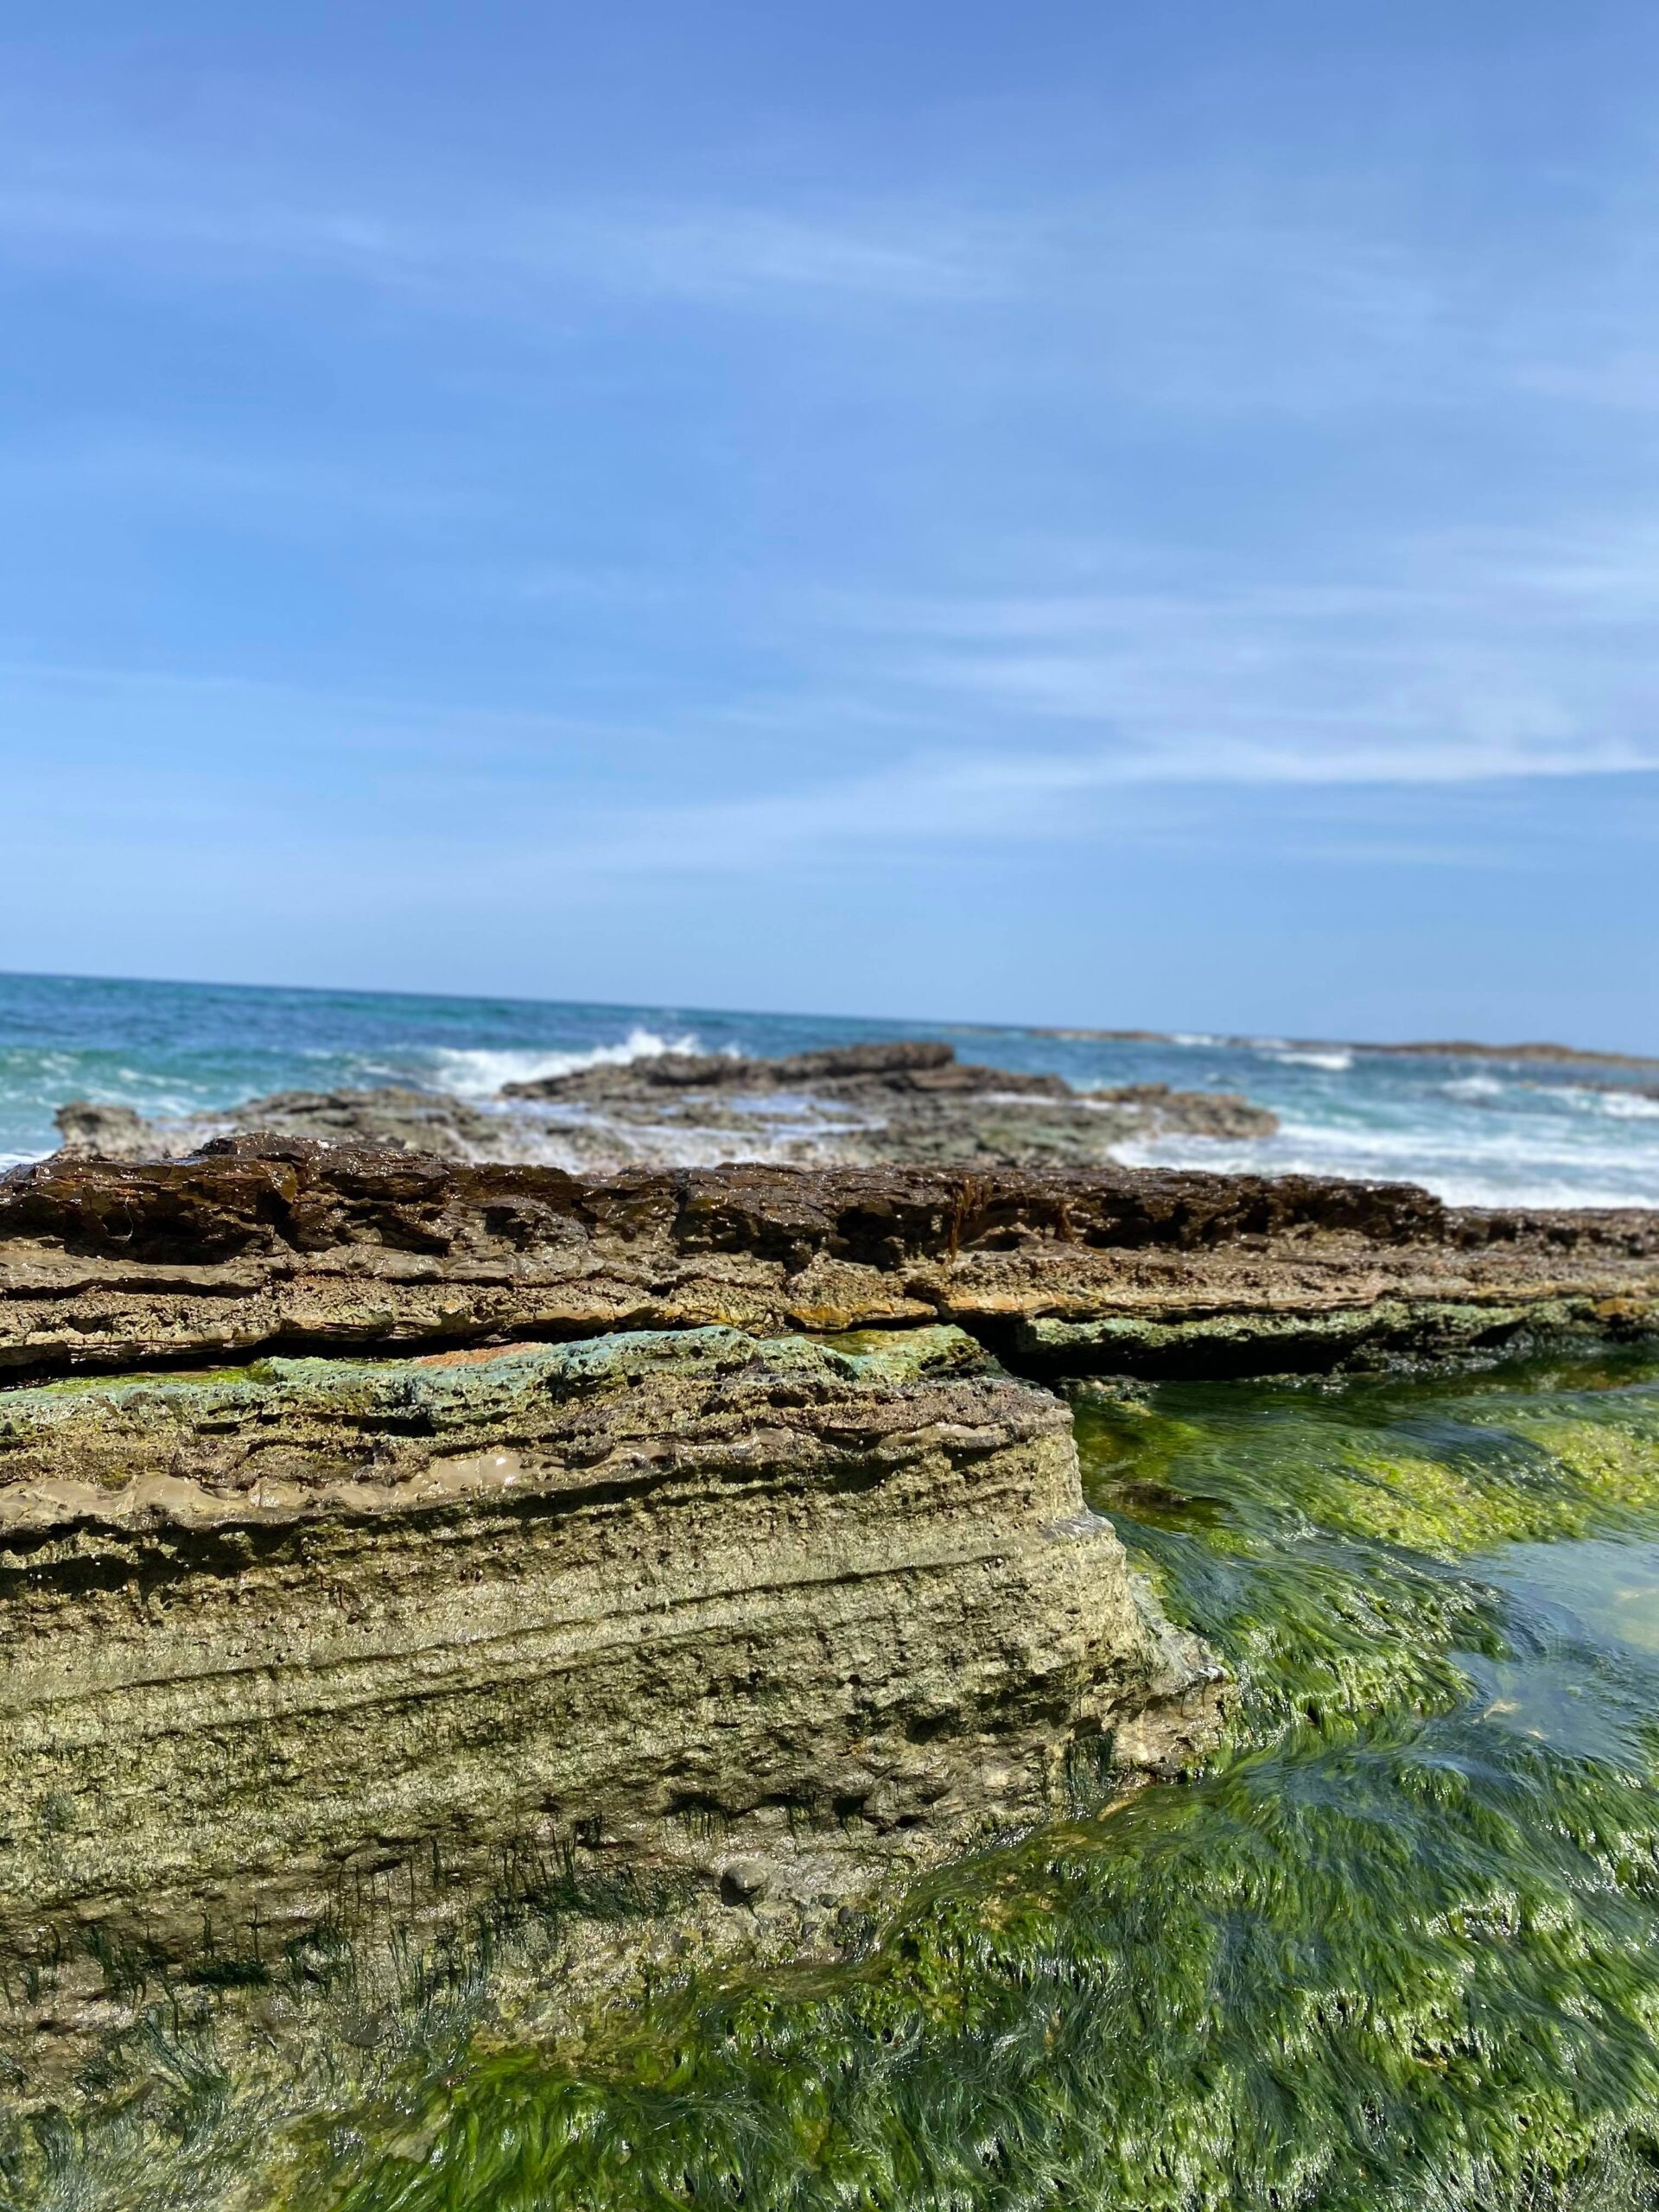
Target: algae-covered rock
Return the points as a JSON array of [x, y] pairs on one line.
[[657, 1525], [279, 1638]]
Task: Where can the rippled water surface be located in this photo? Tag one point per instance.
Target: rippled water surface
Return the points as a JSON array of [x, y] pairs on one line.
[[1399, 1947], [1477, 1132]]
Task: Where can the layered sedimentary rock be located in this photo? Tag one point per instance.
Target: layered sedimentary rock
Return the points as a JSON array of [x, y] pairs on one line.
[[686, 1528], [746, 1619], [265, 1243], [744, 1622], [908, 1101]]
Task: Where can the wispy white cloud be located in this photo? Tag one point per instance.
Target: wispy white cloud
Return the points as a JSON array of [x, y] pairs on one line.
[[1191, 289], [732, 254], [996, 720], [1460, 658], [1029, 711], [1013, 799]]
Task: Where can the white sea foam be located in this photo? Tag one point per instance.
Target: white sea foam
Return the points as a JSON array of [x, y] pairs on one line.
[[30, 1063], [1338, 1063], [1629, 1106], [1473, 1086], [1495, 1164], [481, 1073], [1501, 1145], [1477, 1191]]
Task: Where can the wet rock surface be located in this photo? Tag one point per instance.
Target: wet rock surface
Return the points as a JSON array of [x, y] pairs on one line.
[[903, 1101]]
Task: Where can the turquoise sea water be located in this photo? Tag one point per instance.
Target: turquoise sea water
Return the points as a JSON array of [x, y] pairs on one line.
[[1477, 1132]]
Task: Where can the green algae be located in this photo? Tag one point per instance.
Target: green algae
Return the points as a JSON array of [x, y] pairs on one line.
[[449, 1392], [1212, 1999], [1316, 1340], [1319, 1536], [1398, 1952]]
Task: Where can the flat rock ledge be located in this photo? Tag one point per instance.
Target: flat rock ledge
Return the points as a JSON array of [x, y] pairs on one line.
[[264, 1242], [379, 1535]]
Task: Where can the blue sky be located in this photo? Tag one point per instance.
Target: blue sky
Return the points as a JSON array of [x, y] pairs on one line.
[[1119, 515]]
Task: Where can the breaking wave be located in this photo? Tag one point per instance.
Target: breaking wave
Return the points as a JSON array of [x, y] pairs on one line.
[[1617, 1105], [1542, 1165], [1336, 1062], [480, 1072]]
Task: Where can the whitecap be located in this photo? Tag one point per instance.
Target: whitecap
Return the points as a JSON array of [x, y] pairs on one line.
[[1473, 1086], [1614, 1105], [480, 1072], [1338, 1063], [1496, 1164]]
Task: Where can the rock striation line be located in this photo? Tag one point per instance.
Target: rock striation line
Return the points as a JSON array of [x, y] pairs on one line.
[[739, 1623]]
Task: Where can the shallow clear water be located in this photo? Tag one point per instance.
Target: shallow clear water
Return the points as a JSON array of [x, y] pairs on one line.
[[1476, 1133], [1398, 1948], [1402, 1948]]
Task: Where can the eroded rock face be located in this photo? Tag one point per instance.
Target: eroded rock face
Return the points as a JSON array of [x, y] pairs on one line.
[[757, 1620], [908, 1101], [395, 1119]]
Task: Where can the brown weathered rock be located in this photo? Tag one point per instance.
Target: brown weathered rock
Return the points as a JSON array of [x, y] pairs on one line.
[[94, 1131], [908, 1101], [397, 1119], [915, 1066], [263, 1243]]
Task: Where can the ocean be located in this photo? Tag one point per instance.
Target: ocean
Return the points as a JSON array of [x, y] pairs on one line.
[[1476, 1131]]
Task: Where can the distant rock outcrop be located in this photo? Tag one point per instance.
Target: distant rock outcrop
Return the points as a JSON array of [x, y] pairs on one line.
[[907, 1101]]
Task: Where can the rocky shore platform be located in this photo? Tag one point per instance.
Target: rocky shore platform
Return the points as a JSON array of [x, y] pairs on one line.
[[908, 1102], [705, 1549]]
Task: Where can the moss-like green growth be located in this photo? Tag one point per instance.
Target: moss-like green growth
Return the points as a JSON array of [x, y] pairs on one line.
[[1321, 1537], [1393, 1971], [1398, 1953]]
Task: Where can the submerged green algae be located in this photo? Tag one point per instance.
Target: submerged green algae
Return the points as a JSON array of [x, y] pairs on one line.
[[1400, 1949], [1322, 1536]]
